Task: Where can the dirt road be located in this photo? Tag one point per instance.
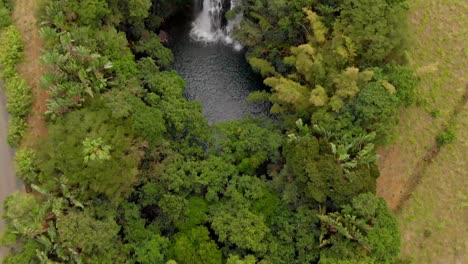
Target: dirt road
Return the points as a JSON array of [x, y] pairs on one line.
[[8, 181]]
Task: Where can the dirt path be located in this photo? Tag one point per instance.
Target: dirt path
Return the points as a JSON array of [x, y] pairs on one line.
[[30, 68], [438, 53]]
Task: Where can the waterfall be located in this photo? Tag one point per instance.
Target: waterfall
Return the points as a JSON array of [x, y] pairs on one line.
[[209, 26]]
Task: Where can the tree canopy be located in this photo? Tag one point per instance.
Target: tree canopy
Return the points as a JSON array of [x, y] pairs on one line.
[[131, 172]]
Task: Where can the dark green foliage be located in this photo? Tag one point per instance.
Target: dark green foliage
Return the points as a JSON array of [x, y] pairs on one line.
[[94, 239], [376, 109], [148, 121], [404, 80], [62, 155], [246, 144], [376, 28], [151, 46], [131, 172], [364, 229]]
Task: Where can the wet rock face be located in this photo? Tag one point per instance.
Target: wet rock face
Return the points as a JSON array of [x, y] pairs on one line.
[[226, 6]]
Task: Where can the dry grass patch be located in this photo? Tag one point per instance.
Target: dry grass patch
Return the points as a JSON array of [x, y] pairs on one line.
[[434, 220]]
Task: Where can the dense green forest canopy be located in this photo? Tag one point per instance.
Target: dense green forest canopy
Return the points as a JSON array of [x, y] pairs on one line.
[[131, 172]]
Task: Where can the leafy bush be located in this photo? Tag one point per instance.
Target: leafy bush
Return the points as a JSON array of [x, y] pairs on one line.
[[403, 78], [25, 167], [5, 19], [17, 127], [445, 137], [11, 45], [7, 4], [18, 94], [19, 97]]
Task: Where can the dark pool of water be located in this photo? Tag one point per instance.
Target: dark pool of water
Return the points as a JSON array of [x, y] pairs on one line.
[[217, 75]]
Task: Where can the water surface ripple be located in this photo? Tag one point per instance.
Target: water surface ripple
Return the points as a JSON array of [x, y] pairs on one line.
[[217, 75]]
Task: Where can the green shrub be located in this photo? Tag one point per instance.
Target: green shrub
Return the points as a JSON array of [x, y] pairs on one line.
[[5, 19], [7, 4], [445, 137], [11, 45], [25, 167], [18, 94], [402, 77], [436, 113], [19, 97], [15, 134]]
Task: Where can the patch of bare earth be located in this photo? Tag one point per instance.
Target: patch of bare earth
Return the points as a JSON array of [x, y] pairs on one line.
[[31, 69], [438, 48]]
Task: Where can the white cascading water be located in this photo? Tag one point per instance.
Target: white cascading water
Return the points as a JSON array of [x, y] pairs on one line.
[[208, 24]]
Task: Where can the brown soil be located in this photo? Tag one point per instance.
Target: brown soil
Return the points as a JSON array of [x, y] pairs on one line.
[[30, 68], [394, 185], [391, 183]]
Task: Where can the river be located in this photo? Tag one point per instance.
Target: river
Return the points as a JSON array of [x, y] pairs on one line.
[[217, 74]]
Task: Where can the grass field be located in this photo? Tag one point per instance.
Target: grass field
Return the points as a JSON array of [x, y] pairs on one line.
[[434, 218]]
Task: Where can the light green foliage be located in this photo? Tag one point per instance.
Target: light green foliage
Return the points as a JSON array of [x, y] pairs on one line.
[[23, 215], [5, 19], [242, 228], [95, 150], [258, 96], [235, 259], [25, 165], [350, 82], [152, 251], [19, 101], [138, 9], [213, 177], [262, 66], [25, 255], [318, 29], [18, 94], [318, 96], [17, 127], [307, 62], [12, 47], [76, 74], [195, 246], [19, 97], [92, 12], [288, 95], [114, 45]]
